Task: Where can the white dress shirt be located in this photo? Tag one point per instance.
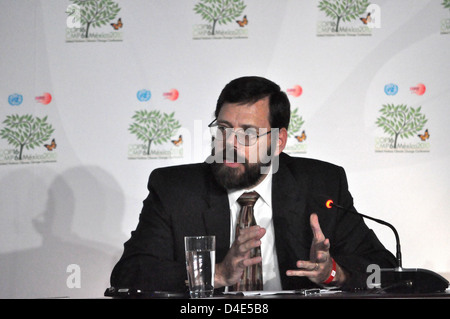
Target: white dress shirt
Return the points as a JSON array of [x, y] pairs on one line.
[[263, 216]]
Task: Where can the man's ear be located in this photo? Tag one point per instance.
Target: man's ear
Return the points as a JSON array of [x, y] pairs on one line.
[[282, 140]]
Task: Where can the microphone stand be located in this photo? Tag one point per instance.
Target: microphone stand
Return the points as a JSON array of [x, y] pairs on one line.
[[399, 279]]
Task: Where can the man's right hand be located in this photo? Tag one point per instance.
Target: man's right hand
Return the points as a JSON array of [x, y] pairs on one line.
[[229, 271]]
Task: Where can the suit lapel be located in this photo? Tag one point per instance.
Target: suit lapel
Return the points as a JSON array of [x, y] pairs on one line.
[[217, 217], [291, 221]]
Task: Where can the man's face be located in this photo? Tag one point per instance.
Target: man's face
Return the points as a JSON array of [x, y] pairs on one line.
[[239, 166]]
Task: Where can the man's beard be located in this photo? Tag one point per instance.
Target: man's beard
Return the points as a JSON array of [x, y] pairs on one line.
[[234, 178]]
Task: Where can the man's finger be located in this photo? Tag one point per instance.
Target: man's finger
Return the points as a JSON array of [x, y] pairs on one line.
[[315, 227], [254, 232], [250, 261], [307, 265], [248, 239], [248, 245], [298, 273]]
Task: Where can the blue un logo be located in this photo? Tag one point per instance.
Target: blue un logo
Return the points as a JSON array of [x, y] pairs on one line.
[[144, 95], [15, 99], [391, 89]]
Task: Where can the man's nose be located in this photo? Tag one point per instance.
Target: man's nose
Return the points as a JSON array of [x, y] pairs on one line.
[[231, 138]]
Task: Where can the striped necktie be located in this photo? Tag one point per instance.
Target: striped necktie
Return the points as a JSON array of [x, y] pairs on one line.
[[252, 276]]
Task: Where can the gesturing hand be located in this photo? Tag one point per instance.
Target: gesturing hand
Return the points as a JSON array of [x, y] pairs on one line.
[[319, 267], [229, 271]]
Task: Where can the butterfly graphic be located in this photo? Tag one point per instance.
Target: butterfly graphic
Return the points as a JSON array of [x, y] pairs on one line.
[[178, 142], [117, 25], [366, 19], [301, 138], [242, 22], [424, 136], [51, 146]]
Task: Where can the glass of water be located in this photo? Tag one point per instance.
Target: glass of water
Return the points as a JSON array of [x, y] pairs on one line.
[[200, 265]]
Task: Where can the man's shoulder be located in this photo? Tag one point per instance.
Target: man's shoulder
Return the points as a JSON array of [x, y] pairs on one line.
[[186, 173], [306, 163], [182, 170], [310, 168], [312, 171]]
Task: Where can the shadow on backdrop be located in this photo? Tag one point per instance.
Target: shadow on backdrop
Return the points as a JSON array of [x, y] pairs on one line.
[[76, 217]]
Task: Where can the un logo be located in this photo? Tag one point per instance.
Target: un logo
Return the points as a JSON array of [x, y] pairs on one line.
[[15, 99], [144, 95], [391, 89]]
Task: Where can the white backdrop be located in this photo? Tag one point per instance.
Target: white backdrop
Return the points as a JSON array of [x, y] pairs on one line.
[[65, 213]]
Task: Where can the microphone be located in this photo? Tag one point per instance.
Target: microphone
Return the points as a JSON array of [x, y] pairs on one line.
[[329, 204], [399, 279]]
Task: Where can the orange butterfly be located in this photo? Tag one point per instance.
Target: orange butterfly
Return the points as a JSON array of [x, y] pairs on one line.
[[117, 25], [301, 138], [178, 142], [51, 146], [424, 136], [242, 23], [366, 19]]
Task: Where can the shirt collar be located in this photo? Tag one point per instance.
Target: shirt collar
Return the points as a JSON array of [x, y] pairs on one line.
[[264, 189]]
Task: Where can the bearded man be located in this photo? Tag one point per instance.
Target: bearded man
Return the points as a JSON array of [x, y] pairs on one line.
[[301, 243]]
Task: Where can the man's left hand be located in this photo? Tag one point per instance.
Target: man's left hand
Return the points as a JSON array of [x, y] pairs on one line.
[[320, 265]]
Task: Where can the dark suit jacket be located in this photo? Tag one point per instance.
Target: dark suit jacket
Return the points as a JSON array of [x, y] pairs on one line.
[[185, 200]]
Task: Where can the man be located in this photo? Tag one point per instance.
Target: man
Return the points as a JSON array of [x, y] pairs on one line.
[[303, 244]]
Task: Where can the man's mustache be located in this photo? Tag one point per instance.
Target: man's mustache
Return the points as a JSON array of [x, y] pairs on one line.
[[230, 155]]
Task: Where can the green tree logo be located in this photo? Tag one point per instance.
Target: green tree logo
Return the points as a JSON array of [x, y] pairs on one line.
[[153, 127], [343, 10], [96, 13], [295, 124], [219, 11], [401, 121], [26, 131]]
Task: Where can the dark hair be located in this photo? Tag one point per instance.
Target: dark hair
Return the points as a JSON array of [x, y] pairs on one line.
[[251, 89]]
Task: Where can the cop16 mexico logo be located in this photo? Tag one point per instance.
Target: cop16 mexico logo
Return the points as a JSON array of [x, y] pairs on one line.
[[405, 129], [27, 132]]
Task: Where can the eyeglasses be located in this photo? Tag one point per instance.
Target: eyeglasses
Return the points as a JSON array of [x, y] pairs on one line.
[[246, 137]]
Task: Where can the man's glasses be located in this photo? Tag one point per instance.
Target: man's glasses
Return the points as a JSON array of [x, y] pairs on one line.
[[246, 137]]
